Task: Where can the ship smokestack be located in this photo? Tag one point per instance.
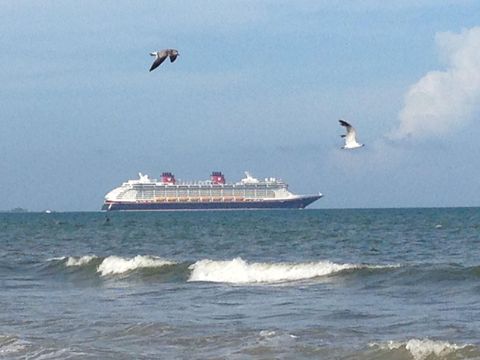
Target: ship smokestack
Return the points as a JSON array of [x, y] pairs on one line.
[[217, 178], [168, 178]]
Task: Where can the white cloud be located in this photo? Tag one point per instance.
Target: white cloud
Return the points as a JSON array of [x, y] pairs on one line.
[[442, 101]]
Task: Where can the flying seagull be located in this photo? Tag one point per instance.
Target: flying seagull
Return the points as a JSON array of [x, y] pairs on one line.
[[161, 55], [350, 137]]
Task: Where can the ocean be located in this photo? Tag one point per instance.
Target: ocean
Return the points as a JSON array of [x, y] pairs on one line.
[[291, 284]]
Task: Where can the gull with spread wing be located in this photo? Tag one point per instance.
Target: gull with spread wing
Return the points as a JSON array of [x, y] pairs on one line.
[[350, 137], [161, 55]]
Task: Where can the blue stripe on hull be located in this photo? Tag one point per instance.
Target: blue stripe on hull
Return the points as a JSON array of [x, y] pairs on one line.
[[297, 203]]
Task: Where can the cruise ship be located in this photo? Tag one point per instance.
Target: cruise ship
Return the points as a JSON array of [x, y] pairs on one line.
[[214, 194]]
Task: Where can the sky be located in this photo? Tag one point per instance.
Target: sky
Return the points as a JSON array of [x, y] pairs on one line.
[[258, 86]]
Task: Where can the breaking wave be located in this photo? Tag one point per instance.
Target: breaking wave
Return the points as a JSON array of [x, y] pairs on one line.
[[422, 349], [235, 271], [73, 261], [239, 271], [10, 345], [113, 265]]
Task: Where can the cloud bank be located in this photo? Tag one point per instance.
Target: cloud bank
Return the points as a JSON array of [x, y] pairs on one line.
[[442, 101]]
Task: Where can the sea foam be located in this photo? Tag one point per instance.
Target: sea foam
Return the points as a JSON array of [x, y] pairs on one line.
[[421, 349], [240, 271], [113, 265], [79, 261], [11, 344]]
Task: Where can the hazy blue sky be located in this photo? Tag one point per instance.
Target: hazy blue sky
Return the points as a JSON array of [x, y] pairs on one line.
[[258, 86]]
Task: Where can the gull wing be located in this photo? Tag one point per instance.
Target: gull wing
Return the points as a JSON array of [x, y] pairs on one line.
[[351, 136], [158, 61], [344, 123]]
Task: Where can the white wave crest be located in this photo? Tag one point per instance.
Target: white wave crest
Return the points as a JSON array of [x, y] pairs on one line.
[[117, 265], [58, 258], [11, 344], [267, 333], [422, 349], [241, 272], [79, 261]]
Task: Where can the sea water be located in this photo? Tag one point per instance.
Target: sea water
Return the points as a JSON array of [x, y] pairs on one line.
[[311, 284]]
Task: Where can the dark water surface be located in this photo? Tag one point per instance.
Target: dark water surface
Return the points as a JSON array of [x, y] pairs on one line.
[[312, 284]]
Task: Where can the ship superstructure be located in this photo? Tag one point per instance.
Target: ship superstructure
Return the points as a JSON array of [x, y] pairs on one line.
[[169, 194]]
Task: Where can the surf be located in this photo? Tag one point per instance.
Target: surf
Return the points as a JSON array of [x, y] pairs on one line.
[[113, 265], [239, 271], [422, 349]]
